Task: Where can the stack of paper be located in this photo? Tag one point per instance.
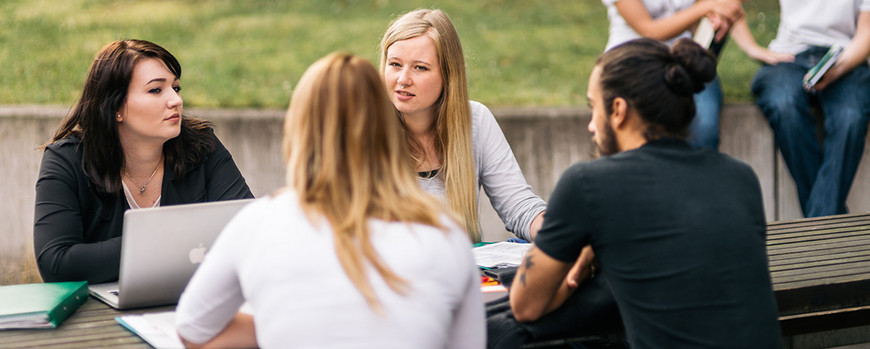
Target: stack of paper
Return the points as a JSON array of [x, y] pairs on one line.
[[500, 254]]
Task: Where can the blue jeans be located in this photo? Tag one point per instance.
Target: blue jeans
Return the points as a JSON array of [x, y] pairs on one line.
[[704, 129], [823, 172]]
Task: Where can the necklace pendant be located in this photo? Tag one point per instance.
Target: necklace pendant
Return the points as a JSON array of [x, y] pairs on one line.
[[142, 190]]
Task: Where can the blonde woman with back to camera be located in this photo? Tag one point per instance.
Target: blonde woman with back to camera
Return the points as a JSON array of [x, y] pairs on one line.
[[341, 257], [455, 144]]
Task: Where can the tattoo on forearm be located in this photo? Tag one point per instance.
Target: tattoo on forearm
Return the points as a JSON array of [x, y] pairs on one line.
[[528, 264]]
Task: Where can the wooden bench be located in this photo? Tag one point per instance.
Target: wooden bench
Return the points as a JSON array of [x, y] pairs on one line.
[[820, 269], [821, 272]]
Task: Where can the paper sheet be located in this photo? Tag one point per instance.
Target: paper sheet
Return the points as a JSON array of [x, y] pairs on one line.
[[158, 329], [500, 254]]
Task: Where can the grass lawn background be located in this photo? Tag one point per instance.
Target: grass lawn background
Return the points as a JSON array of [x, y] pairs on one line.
[[241, 54]]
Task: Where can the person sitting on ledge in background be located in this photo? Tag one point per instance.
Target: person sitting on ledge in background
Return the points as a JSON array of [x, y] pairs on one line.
[[125, 145], [678, 233], [823, 172], [352, 253], [455, 144], [667, 21]]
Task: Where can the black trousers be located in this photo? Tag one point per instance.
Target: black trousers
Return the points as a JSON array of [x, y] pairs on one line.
[[590, 312]]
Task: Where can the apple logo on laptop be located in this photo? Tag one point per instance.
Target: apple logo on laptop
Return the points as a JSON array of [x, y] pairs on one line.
[[197, 254]]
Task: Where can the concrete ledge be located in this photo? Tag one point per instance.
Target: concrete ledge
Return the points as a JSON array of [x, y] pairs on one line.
[[59, 111], [544, 140]]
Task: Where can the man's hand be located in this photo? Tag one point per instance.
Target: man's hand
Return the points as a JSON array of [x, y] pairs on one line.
[[581, 269]]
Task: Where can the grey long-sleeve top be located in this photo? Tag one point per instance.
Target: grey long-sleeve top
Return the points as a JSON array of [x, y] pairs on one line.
[[498, 173]]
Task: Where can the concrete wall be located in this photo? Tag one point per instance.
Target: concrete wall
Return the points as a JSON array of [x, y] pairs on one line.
[[547, 141], [544, 140]]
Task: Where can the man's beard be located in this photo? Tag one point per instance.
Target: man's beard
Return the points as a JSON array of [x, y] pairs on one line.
[[607, 144]]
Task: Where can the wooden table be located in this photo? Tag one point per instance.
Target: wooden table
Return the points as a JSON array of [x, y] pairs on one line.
[[821, 272], [820, 269], [93, 325]]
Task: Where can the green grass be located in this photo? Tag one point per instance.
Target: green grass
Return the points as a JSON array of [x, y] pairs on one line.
[[251, 53]]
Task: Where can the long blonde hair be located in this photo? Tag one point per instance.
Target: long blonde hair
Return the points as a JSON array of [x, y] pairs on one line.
[[452, 111], [347, 161]]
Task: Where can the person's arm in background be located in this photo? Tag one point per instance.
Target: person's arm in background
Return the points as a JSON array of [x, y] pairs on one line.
[[853, 55], [502, 179], [536, 225], [638, 18], [743, 37]]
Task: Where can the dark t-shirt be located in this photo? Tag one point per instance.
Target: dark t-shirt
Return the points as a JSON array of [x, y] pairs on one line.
[[680, 236]]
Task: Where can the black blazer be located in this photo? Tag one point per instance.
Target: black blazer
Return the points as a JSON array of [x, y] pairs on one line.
[[77, 231]]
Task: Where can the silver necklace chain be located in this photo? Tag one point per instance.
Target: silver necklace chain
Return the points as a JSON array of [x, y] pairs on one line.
[[142, 187]]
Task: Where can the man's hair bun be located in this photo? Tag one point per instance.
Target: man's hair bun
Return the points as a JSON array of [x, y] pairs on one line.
[[692, 67], [657, 81]]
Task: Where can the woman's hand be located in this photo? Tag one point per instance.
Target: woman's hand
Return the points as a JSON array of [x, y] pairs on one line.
[[830, 76], [767, 56], [728, 10], [741, 35], [722, 15], [853, 55]]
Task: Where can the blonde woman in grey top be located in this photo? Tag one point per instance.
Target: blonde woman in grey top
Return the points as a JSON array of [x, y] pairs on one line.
[[497, 172], [456, 145]]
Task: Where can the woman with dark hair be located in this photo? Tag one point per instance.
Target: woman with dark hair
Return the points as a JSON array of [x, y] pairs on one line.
[[125, 145]]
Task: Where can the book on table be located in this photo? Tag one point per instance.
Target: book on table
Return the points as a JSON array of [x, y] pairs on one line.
[[40, 305]]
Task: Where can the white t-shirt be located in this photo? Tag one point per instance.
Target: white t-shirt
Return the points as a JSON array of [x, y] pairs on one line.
[[286, 268], [621, 32], [498, 173], [816, 23]]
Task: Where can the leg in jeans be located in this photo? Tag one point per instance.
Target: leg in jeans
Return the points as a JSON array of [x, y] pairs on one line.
[[786, 106], [846, 106], [704, 130]]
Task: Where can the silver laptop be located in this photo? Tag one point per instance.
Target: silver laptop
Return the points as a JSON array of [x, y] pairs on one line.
[[161, 248]]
